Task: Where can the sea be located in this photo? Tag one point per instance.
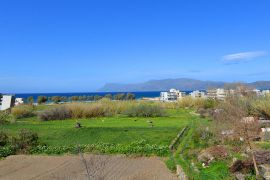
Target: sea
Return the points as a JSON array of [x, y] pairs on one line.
[[139, 95]]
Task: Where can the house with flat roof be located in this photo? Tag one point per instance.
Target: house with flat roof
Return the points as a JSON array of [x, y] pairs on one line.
[[171, 95], [18, 101], [219, 94], [198, 94], [6, 102]]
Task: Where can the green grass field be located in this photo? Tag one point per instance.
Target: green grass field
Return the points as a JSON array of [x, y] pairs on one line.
[[118, 130], [123, 130]]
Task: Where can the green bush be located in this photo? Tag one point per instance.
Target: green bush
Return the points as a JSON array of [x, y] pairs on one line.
[[170, 163], [4, 117], [22, 111], [3, 138], [203, 138], [261, 106], [42, 99], [26, 140], [189, 102], [59, 113], [145, 110], [7, 151]]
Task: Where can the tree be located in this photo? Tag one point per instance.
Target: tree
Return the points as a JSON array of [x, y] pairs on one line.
[[64, 99], [90, 98], [120, 96], [42, 99], [97, 97], [233, 118], [130, 96], [74, 98], [109, 96], [84, 98], [56, 99], [30, 100]]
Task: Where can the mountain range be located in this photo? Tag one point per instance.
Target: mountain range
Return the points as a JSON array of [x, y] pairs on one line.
[[184, 84]]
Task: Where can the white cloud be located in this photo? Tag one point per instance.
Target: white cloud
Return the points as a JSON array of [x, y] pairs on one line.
[[243, 56]]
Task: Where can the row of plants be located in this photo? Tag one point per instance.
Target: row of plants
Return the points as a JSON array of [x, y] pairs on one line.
[[190, 102], [102, 108], [57, 99], [27, 142], [135, 148]]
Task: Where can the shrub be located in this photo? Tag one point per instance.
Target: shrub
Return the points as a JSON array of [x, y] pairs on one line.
[[59, 113], [42, 99], [22, 111], [7, 151], [30, 100], [261, 106], [203, 137], [130, 96], [3, 138], [26, 140], [144, 110], [94, 111], [76, 110], [4, 117], [102, 108], [189, 102], [56, 99]]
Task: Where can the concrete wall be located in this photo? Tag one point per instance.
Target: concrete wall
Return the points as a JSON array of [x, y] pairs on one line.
[[7, 102]]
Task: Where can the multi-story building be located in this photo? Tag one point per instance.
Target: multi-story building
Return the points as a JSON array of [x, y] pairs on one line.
[[219, 94], [171, 95], [265, 92], [257, 92], [6, 102], [198, 94], [18, 101]]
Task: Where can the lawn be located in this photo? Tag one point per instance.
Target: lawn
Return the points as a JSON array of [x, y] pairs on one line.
[[115, 130]]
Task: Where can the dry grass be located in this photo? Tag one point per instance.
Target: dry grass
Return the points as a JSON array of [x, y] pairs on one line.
[[102, 108], [22, 111]]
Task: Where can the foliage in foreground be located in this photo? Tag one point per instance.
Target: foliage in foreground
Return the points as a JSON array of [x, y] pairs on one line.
[[7, 151], [3, 138], [261, 106], [137, 147], [25, 141], [4, 117]]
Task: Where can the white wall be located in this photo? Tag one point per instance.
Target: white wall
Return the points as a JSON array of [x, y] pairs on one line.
[[6, 102]]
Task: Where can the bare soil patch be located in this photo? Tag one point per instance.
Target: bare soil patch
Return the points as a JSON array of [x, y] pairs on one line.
[[69, 167]]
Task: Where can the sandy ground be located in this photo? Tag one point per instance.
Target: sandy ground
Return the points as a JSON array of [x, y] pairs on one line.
[[21, 167]]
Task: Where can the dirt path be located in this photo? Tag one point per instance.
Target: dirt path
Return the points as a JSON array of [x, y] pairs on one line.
[[21, 167]]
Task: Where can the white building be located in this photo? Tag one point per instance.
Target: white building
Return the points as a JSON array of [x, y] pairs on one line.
[[171, 95], [6, 102], [219, 94], [265, 92], [198, 94], [257, 92], [18, 101]]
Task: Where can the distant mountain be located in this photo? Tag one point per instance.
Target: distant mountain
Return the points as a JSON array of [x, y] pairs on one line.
[[183, 84], [260, 84]]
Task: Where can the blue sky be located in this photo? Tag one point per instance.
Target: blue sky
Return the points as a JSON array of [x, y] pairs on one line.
[[78, 46]]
